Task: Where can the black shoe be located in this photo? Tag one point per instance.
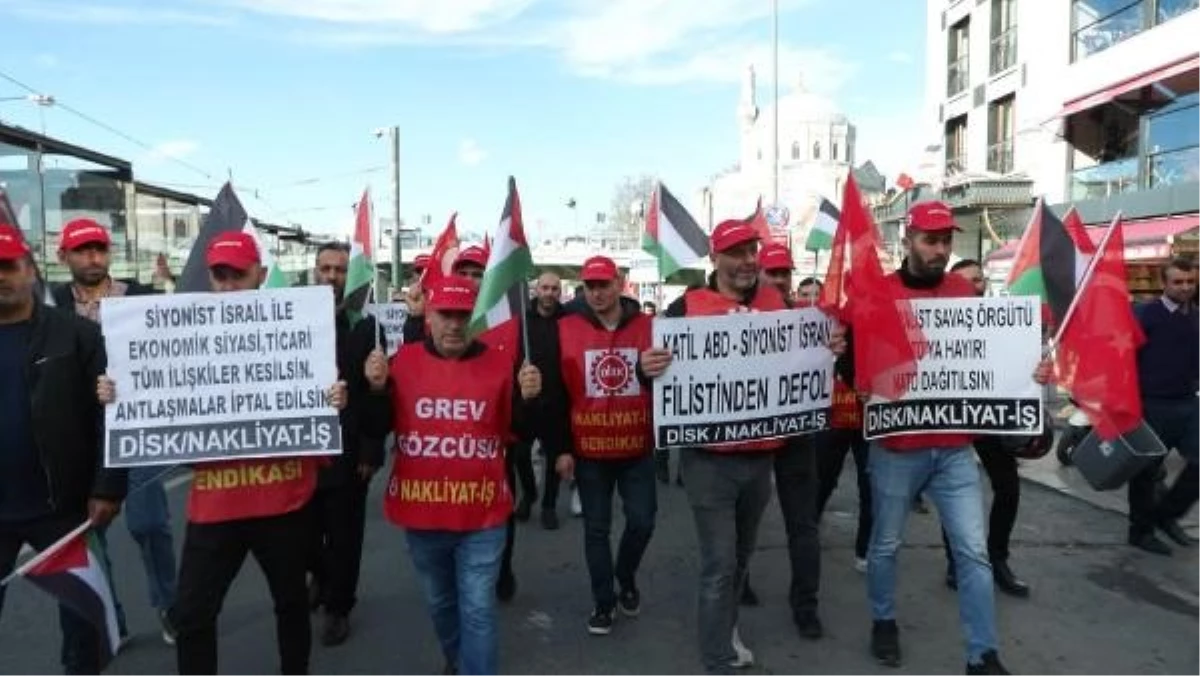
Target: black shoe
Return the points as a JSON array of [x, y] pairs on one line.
[[521, 513], [808, 623], [989, 663], [550, 519], [951, 577], [885, 642], [749, 598], [337, 630], [1150, 543], [600, 623], [1007, 581], [629, 601], [662, 472], [1172, 530], [506, 586]]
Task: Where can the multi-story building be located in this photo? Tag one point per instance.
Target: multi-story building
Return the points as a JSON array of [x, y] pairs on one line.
[[1091, 103]]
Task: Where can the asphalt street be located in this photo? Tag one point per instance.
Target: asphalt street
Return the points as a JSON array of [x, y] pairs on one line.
[[1098, 605]]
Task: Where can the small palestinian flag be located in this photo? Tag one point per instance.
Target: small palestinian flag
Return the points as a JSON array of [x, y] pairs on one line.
[[672, 236]]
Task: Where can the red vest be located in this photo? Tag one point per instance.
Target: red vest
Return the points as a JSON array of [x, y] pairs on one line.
[[610, 409], [229, 490], [847, 410], [706, 302], [952, 286], [452, 421]]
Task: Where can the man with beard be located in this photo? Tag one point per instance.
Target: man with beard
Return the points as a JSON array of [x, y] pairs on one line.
[[939, 463], [340, 501], [84, 247], [541, 318]]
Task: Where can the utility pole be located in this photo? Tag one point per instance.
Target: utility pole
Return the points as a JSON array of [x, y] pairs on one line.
[[397, 258]]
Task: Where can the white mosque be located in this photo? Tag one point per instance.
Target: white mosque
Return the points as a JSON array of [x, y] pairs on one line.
[[816, 152]]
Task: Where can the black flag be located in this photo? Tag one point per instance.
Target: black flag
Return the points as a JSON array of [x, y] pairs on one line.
[[225, 215]]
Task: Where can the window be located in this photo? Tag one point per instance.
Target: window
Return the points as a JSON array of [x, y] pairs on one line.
[[1004, 35], [833, 152], [758, 154], [956, 145], [1000, 135], [816, 150], [958, 71], [795, 150], [1100, 24], [22, 186], [1172, 139]]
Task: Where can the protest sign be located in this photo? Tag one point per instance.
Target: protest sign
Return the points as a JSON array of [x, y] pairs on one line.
[[215, 376], [974, 371], [743, 377], [391, 317]]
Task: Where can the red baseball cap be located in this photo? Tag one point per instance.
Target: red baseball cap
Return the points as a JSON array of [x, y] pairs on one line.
[[12, 243], [421, 261], [775, 256], [236, 249], [82, 231], [599, 269], [472, 255], [931, 217], [451, 294], [730, 234]]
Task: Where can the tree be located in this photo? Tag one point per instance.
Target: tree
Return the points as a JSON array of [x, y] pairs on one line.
[[623, 216]]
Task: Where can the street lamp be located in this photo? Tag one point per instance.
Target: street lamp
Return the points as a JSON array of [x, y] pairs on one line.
[[44, 100]]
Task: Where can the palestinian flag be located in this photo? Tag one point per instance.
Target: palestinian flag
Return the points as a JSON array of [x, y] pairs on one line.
[[672, 236], [225, 215], [360, 276], [820, 236], [502, 293], [1048, 262], [72, 571], [276, 279]]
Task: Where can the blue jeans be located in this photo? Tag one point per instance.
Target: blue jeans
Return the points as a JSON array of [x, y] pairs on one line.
[[149, 522], [950, 479], [458, 576], [634, 479]]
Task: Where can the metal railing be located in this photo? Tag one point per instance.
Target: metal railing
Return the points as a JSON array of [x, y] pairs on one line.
[[1000, 157], [958, 76], [1004, 50], [956, 164]]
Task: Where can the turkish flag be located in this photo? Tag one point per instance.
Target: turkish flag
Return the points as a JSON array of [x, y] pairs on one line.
[[1097, 349], [885, 328], [758, 221], [441, 259]]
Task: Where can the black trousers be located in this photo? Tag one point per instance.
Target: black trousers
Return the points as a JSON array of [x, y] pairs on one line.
[[81, 641], [1001, 469], [510, 532], [831, 457], [797, 485], [523, 465], [212, 556], [1175, 423], [338, 517]]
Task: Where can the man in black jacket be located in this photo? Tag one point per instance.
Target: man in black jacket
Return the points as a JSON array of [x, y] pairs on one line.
[[541, 319], [340, 503], [52, 475], [84, 248]]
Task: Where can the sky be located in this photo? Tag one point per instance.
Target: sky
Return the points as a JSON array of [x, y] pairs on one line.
[[568, 96]]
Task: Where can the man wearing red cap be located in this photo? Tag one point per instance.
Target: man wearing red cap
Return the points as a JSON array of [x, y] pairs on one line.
[[52, 475], [938, 463], [609, 434], [728, 485], [456, 406], [227, 521], [775, 265], [84, 247]]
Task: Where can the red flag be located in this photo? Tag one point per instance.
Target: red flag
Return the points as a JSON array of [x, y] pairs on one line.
[[441, 259], [883, 321], [362, 225], [833, 294], [758, 221], [487, 244], [1097, 349], [905, 182], [1074, 225]]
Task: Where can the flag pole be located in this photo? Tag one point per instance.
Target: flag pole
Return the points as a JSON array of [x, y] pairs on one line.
[[525, 320], [1087, 277], [47, 552]]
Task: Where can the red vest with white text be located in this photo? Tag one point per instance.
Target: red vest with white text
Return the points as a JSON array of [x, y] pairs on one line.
[[228, 490], [610, 409], [705, 302], [846, 412], [452, 420]]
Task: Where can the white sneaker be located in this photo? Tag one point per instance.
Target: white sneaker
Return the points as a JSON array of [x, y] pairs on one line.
[[744, 658], [860, 565], [576, 505]]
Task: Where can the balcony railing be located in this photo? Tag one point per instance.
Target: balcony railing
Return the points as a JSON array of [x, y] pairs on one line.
[[1173, 167], [1004, 50], [1000, 157], [956, 164], [1105, 180], [958, 76]]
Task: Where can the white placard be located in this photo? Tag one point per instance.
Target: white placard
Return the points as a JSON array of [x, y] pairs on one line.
[[215, 376], [391, 316], [975, 372], [743, 377]]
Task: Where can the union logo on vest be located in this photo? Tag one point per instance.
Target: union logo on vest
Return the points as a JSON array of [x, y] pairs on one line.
[[612, 373]]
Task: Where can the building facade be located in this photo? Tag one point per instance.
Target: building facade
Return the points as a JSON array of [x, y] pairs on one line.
[[1086, 103]]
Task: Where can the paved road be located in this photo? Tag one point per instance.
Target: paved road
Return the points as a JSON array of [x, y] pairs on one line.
[[1098, 606]]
